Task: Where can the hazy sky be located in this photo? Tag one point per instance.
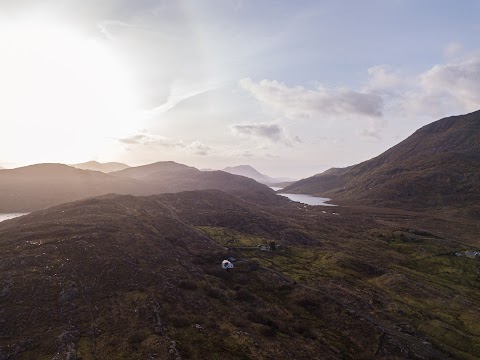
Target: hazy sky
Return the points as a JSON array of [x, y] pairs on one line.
[[290, 87]]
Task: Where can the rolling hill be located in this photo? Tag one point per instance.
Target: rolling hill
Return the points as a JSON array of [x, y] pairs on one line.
[[169, 176], [103, 167], [125, 277], [39, 186], [436, 167]]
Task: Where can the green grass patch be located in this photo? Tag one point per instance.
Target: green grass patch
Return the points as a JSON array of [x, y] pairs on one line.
[[232, 238]]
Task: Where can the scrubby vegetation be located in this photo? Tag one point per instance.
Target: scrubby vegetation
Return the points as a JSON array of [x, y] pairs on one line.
[[121, 277]]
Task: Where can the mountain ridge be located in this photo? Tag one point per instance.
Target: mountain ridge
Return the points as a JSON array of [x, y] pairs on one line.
[[39, 186], [98, 166], [437, 166]]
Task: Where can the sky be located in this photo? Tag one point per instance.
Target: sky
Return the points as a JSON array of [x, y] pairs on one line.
[[290, 87]]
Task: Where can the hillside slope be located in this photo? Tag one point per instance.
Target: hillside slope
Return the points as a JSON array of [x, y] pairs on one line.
[[124, 277], [438, 166], [168, 176], [39, 186], [120, 277]]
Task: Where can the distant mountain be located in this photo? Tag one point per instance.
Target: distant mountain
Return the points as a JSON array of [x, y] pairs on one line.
[[250, 172], [169, 176], [103, 167], [436, 167], [39, 186]]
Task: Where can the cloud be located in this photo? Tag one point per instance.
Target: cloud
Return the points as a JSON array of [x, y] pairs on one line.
[[246, 154], [199, 148], [299, 102], [134, 140], [388, 93], [442, 90], [142, 139], [111, 28], [182, 90], [372, 134], [452, 49], [195, 147], [272, 132], [458, 81], [384, 80], [327, 139]]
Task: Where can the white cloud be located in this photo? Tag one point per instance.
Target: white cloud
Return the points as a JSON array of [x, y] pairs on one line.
[[199, 148], [182, 90], [452, 49], [459, 81], [384, 80], [388, 94], [195, 147], [299, 102], [444, 89], [272, 132]]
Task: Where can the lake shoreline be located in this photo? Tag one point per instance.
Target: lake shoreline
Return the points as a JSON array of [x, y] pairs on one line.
[[8, 216], [305, 198]]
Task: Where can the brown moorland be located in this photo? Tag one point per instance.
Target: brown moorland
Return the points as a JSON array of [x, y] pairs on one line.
[[125, 277], [438, 167]]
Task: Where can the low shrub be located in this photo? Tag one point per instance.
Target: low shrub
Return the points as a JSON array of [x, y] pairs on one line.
[[179, 321], [187, 285]]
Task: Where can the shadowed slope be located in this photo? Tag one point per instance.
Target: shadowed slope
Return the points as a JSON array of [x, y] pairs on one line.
[[438, 166]]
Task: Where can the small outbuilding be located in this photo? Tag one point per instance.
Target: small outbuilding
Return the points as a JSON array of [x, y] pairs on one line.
[[227, 265]]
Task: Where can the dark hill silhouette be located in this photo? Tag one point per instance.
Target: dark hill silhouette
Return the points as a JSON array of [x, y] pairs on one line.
[[103, 167], [436, 167], [39, 186]]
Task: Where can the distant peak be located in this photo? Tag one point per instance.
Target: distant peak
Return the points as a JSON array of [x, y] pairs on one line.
[[98, 166], [240, 167]]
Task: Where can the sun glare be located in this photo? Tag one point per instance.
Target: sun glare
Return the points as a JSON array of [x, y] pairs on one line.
[[64, 95]]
